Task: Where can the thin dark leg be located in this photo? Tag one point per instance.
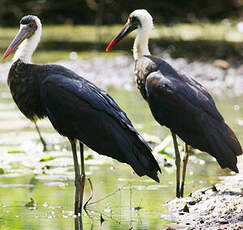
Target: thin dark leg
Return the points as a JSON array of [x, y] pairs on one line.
[[41, 138], [82, 181], [185, 161], [178, 165], [77, 177], [78, 223]]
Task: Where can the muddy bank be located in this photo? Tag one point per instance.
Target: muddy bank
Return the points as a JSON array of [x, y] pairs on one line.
[[216, 207], [118, 72]]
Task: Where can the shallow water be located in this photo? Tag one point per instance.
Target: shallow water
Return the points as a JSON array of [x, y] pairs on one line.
[[124, 200]]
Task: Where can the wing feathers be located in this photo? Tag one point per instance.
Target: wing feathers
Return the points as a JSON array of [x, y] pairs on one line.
[[184, 106], [80, 110]]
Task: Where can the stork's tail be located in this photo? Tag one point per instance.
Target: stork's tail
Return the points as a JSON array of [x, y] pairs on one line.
[[150, 166], [140, 156], [223, 144]]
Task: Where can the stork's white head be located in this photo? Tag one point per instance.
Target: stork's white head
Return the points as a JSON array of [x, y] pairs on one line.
[[143, 18], [27, 39], [143, 21]]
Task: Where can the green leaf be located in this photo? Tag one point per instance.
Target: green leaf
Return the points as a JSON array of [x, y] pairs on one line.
[[89, 157], [46, 159], [15, 151]]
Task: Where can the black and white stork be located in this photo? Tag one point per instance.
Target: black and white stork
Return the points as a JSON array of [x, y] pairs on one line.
[[76, 108], [179, 102]]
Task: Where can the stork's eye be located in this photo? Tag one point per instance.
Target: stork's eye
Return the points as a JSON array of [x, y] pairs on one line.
[[32, 24], [131, 20]]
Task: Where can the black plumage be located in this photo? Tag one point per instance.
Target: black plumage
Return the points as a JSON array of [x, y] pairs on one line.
[[79, 110], [178, 102], [76, 108], [184, 106]]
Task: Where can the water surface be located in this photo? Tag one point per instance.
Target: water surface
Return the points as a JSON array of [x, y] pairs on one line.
[[124, 200]]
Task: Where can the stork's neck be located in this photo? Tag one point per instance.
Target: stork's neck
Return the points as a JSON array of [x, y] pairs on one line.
[[27, 47], [140, 46]]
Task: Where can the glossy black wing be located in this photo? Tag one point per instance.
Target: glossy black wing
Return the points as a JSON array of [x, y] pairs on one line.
[[101, 99], [184, 87], [78, 109], [185, 107]]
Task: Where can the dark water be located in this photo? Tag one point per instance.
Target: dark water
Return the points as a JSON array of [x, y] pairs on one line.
[[124, 200]]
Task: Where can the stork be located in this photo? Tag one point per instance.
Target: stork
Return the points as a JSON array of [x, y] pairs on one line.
[[179, 102], [76, 108]]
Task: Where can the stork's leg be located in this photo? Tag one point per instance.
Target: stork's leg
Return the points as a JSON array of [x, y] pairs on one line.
[[41, 138], [77, 177], [78, 223], [82, 181], [178, 165], [185, 161]]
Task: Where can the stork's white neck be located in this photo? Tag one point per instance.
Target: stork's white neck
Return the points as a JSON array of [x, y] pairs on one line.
[[140, 46], [145, 27], [28, 46]]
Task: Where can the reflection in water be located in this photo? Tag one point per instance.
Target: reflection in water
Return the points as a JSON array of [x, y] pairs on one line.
[[120, 199], [78, 223]]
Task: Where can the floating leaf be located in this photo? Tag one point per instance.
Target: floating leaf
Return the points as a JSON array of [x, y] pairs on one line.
[[163, 145], [166, 147], [46, 159], [89, 157], [15, 151], [151, 138]]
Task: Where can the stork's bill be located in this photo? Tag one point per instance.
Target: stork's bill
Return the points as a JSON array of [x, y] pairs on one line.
[[127, 28], [21, 36], [143, 21], [29, 25]]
